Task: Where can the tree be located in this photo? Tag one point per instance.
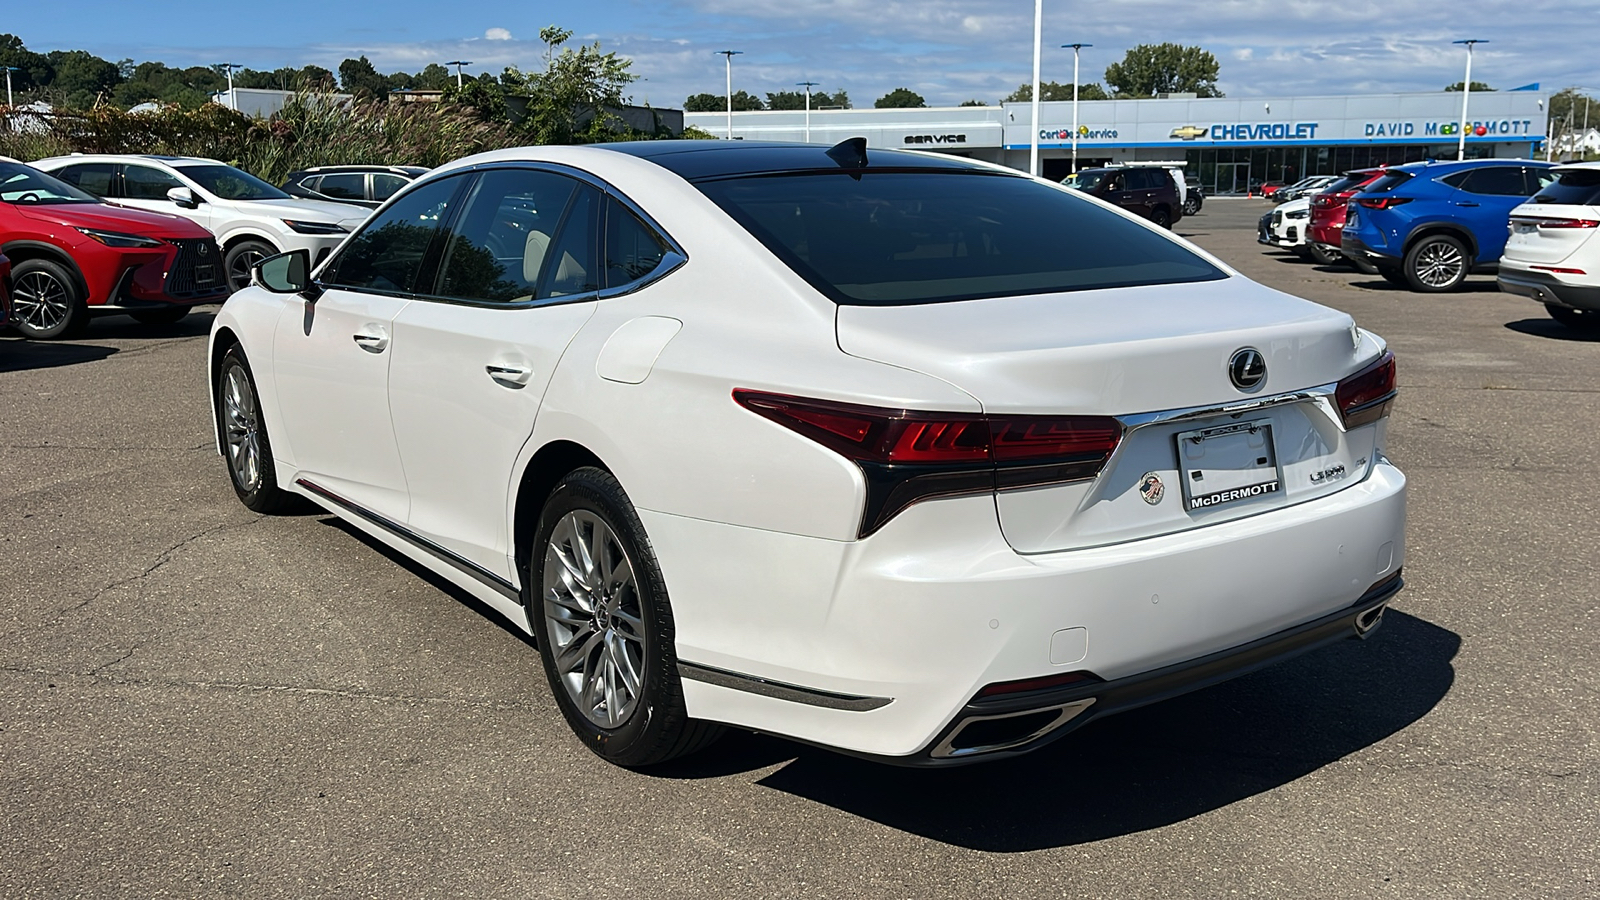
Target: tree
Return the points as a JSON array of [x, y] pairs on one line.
[[1151, 69], [573, 101], [33, 69], [742, 102], [1050, 90], [553, 37], [1477, 87], [973, 102], [900, 98], [358, 77], [797, 100], [433, 77], [81, 77]]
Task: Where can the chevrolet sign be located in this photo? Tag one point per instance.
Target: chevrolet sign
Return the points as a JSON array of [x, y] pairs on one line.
[[1189, 132]]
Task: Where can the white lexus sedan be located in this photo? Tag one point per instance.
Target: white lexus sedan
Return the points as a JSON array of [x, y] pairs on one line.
[[909, 456]]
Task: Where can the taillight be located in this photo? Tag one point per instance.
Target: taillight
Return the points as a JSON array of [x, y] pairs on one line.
[[1367, 395], [1381, 202], [1560, 270], [909, 455], [1036, 684], [1567, 223]]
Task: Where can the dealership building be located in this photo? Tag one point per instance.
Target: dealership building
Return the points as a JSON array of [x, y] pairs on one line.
[[1229, 144]]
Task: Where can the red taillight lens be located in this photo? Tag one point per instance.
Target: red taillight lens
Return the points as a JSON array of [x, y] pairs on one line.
[[1568, 223], [909, 455], [1560, 270], [1367, 395], [1381, 202], [1036, 684]]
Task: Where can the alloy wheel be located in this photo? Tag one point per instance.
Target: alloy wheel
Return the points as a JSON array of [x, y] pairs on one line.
[[593, 618], [242, 428], [39, 301], [1439, 264], [239, 270]]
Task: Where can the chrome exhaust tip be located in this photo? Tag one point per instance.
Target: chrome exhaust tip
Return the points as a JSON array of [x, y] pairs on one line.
[[1367, 621]]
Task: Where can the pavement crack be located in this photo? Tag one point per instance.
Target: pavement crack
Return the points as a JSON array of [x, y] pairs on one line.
[[106, 665], [161, 559]]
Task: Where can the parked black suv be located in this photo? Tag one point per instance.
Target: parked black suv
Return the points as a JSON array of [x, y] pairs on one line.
[[365, 186], [1147, 191]]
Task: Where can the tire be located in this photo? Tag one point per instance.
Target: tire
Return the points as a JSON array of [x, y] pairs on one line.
[[240, 257], [1436, 264], [1395, 277], [1191, 205], [246, 447], [164, 315], [1162, 216], [46, 301], [612, 666], [1320, 256], [1585, 320]]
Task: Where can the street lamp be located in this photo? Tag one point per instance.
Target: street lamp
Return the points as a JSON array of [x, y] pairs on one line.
[[458, 63], [233, 99], [728, 56], [808, 85], [1075, 49], [1466, 93], [1033, 140]]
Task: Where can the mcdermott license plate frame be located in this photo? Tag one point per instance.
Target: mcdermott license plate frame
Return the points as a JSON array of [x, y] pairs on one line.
[[1244, 465]]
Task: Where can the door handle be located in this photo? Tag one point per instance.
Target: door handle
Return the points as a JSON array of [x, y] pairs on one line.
[[371, 341], [509, 376], [1465, 203]]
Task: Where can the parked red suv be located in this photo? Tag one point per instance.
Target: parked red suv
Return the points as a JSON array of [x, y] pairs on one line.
[[1328, 211], [73, 255]]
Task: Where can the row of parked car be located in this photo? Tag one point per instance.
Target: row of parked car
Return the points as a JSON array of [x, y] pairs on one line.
[[1428, 225], [152, 236]]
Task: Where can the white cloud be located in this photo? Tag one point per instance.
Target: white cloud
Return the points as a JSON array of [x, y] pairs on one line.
[[497, 34]]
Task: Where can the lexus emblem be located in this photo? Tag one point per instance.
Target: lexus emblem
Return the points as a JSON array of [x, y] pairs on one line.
[[205, 250], [1247, 369]]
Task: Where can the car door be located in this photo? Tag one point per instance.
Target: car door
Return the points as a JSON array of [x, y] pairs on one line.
[[1484, 201], [517, 278], [331, 355], [145, 187]]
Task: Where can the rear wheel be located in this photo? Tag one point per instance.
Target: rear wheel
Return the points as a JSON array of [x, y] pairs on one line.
[[1162, 216], [1436, 264], [241, 257], [1191, 205], [605, 627], [45, 300], [161, 315], [244, 437], [1586, 320]]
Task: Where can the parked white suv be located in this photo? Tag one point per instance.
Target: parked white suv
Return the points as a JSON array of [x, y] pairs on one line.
[[1287, 227], [251, 219], [1551, 254]]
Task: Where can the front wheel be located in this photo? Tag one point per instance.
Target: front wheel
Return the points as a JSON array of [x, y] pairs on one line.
[[605, 627], [241, 257], [244, 437], [1586, 320], [1436, 264], [45, 301]]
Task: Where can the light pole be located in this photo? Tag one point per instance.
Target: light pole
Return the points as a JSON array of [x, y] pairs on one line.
[[228, 67], [808, 85], [727, 56], [1075, 49], [9, 69], [1466, 94], [1033, 140], [458, 63]]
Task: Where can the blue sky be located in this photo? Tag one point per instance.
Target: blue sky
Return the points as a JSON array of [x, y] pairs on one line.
[[946, 50]]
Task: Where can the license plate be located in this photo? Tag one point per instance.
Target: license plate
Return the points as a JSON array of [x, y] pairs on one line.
[[1524, 227], [1350, 218], [1228, 464]]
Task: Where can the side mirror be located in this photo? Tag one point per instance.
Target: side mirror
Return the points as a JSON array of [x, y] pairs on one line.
[[286, 273], [184, 197]]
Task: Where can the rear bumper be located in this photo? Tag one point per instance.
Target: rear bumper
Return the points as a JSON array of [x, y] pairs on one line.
[[1355, 248], [877, 647], [1547, 287]]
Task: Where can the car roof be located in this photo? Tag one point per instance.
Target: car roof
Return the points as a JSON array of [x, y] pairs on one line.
[[119, 157], [1578, 167], [364, 167], [1443, 166], [701, 160]]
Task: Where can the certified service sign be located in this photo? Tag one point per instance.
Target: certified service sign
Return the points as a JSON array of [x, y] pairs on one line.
[[1151, 488]]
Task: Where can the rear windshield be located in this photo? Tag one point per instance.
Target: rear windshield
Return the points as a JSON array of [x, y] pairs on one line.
[[899, 238], [1578, 187], [1386, 182]]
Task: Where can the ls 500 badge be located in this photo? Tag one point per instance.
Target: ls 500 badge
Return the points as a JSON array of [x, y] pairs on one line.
[[1332, 473]]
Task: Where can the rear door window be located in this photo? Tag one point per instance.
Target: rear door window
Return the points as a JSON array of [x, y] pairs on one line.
[[523, 234], [147, 183], [96, 178], [1496, 181], [1576, 187], [344, 186], [897, 238], [384, 185]]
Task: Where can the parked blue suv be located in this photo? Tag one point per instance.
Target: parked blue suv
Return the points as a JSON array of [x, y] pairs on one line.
[[1426, 225]]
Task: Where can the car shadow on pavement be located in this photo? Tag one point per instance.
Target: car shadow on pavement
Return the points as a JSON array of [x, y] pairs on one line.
[[1467, 287], [125, 328], [423, 573], [1140, 770], [18, 355], [1550, 328]]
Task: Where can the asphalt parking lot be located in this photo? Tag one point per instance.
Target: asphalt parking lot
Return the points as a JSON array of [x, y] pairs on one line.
[[196, 701]]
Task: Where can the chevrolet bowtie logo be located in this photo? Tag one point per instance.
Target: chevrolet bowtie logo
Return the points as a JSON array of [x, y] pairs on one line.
[[1189, 132]]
